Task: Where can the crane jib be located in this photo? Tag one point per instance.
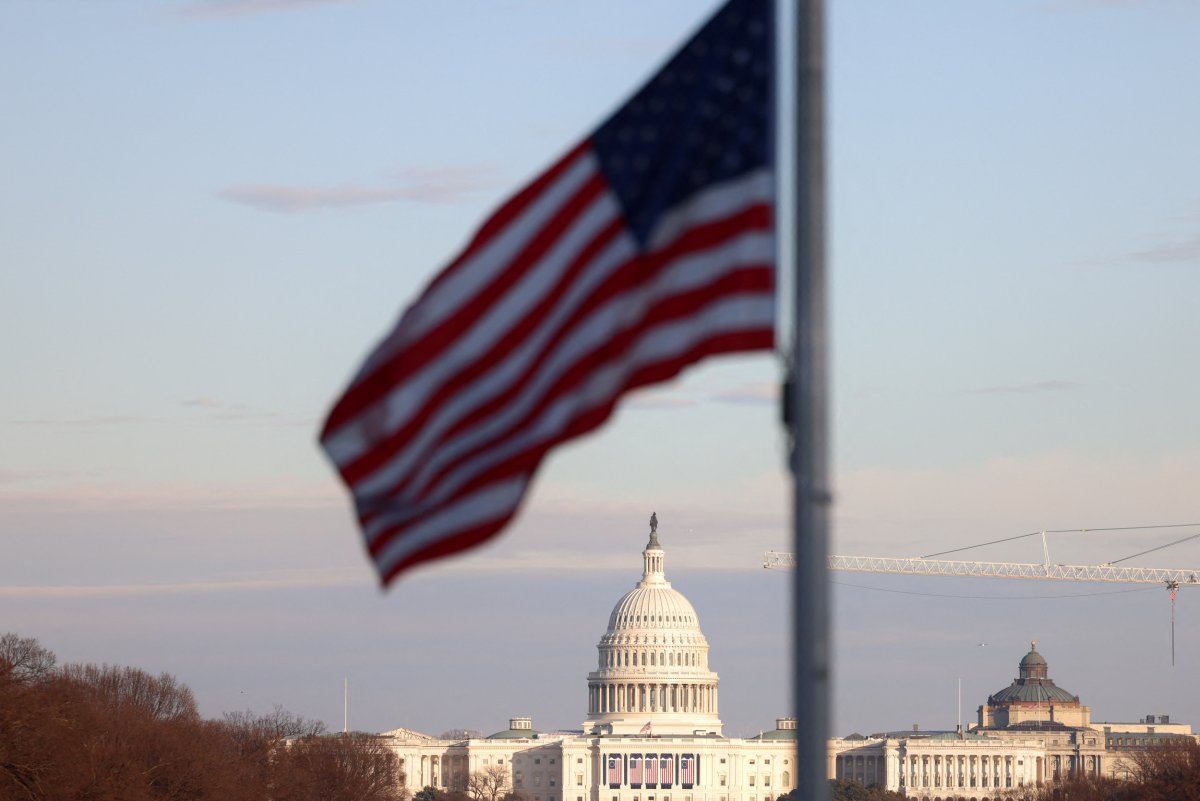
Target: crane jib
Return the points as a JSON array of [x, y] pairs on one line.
[[1023, 570]]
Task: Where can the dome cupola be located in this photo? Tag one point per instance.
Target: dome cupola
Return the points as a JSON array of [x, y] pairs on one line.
[[1033, 665]]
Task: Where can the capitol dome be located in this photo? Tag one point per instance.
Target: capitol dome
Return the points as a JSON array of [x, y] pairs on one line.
[[653, 603], [653, 674]]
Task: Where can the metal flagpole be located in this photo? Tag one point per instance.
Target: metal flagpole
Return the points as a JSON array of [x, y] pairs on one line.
[[807, 412]]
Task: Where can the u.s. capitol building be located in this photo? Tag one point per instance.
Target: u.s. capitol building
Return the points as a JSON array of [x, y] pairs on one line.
[[653, 730]]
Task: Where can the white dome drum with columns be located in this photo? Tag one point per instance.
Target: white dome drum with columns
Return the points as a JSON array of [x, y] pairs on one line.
[[653, 674]]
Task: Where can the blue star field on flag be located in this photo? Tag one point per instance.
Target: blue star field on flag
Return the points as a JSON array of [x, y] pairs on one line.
[[703, 119]]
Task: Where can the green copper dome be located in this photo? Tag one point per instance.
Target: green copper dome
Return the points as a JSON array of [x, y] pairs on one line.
[[1034, 684]]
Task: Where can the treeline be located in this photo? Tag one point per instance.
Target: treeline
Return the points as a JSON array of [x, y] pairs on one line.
[[1168, 772], [110, 733]]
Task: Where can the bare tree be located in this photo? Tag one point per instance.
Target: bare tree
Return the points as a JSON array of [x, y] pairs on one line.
[[340, 767], [257, 740], [23, 659], [1172, 769], [1166, 772], [111, 732], [460, 734], [161, 697], [488, 784], [273, 727]]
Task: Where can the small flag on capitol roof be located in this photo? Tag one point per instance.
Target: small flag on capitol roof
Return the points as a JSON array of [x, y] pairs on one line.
[[647, 247]]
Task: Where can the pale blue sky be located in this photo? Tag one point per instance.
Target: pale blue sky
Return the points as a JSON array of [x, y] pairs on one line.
[[210, 210]]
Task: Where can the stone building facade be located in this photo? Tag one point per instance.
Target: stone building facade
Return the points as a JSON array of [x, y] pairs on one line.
[[1031, 732], [653, 731]]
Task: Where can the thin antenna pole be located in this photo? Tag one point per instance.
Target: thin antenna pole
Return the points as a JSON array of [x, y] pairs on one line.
[[345, 704], [960, 723], [807, 412]]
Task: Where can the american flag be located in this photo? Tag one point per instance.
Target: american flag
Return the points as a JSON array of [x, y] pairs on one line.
[[645, 248], [666, 770], [635, 770], [651, 770], [687, 771], [614, 770]]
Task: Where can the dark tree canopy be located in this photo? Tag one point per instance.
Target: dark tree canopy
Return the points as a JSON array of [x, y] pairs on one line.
[[109, 732]]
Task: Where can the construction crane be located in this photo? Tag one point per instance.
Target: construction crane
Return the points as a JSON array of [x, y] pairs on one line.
[[1170, 578], [782, 560]]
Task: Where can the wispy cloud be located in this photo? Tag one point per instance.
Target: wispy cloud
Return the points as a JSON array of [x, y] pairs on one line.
[[650, 400], [273, 580], [82, 422], [213, 409], [297, 199], [203, 403], [1167, 253], [448, 184], [106, 495], [26, 476], [222, 9], [1026, 389], [758, 394], [239, 412], [1180, 247]]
